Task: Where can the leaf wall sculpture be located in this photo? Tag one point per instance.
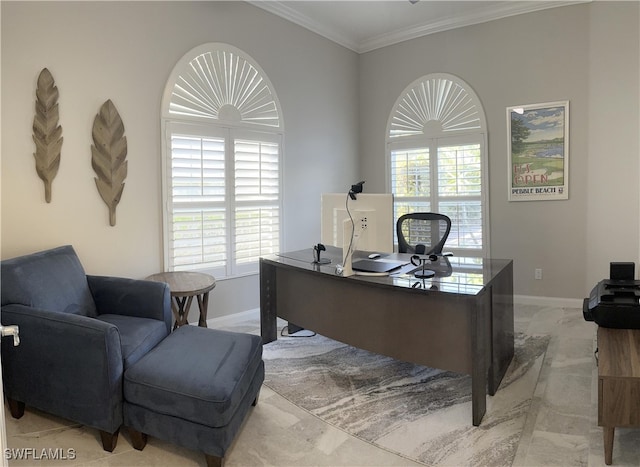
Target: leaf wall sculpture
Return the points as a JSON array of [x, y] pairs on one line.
[[46, 131], [108, 156]]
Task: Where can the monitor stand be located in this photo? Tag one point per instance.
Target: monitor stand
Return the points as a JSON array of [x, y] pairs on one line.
[[350, 237], [424, 273]]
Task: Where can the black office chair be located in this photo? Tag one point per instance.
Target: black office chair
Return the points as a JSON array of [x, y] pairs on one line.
[[428, 230]]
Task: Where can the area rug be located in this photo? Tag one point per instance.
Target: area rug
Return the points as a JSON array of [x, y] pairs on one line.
[[421, 413]]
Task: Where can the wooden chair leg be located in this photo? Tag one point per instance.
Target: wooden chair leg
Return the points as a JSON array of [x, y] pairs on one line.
[[138, 439], [109, 440], [16, 408], [214, 461]]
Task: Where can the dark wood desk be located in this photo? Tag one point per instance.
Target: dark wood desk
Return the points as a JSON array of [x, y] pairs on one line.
[[618, 382], [461, 320], [184, 286]]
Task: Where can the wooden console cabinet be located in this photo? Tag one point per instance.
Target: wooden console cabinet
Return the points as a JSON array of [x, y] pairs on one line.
[[618, 382]]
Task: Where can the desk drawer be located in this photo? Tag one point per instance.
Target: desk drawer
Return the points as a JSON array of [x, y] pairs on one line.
[[618, 401]]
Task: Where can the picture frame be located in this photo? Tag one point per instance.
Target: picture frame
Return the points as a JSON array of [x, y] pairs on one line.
[[538, 151]]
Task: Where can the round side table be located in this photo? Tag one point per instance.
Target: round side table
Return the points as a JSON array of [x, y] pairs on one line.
[[185, 285]]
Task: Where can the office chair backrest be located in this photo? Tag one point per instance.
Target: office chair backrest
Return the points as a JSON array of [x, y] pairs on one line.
[[430, 229]]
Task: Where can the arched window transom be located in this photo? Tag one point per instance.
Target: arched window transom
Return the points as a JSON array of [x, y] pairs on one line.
[[438, 104], [224, 85]]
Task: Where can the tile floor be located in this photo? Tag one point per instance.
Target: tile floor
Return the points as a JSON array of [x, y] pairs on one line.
[[561, 427]]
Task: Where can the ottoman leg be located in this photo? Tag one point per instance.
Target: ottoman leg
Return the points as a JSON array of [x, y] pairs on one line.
[[138, 439], [255, 401], [109, 440], [214, 461]]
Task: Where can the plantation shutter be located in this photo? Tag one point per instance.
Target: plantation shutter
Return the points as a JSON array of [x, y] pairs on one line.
[[225, 199], [222, 163], [198, 202], [437, 159], [257, 195], [460, 194], [411, 181]]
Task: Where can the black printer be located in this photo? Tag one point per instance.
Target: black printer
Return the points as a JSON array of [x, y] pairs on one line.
[[615, 302]]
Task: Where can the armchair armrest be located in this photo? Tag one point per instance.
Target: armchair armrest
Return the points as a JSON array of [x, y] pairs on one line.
[[131, 297], [59, 353]]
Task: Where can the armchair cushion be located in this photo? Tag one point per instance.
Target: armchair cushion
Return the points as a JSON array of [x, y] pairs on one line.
[[132, 297], [51, 280], [137, 335]]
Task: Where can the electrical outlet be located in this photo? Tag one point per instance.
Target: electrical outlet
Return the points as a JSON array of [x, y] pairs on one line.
[[538, 274]]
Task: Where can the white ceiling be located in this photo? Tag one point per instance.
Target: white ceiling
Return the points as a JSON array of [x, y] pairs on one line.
[[364, 25]]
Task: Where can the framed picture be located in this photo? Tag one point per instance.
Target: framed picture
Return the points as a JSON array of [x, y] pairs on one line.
[[538, 148]]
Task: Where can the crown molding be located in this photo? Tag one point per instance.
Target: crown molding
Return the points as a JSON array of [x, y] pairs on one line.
[[503, 10], [281, 9], [490, 14]]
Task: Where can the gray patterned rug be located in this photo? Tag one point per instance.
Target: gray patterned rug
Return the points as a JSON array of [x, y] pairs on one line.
[[421, 413]]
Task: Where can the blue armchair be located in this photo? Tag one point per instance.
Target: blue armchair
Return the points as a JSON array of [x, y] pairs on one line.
[[78, 334]]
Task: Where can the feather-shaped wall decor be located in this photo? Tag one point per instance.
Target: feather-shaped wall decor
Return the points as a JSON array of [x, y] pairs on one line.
[[108, 155], [47, 134]]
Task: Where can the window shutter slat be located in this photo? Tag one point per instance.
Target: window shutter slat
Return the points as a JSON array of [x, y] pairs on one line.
[[198, 238], [197, 173], [257, 232]]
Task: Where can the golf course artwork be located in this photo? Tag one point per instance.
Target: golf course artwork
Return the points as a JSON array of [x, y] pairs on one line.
[[538, 149]]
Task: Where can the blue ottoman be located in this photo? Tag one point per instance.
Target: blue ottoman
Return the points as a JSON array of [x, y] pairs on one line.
[[194, 389]]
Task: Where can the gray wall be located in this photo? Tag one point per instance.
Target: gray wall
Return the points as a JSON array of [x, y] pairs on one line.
[[613, 142], [125, 51], [587, 54]]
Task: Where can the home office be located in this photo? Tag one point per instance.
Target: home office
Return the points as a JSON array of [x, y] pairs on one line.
[[336, 103]]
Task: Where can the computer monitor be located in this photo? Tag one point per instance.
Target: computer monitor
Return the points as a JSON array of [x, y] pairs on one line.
[[372, 215]]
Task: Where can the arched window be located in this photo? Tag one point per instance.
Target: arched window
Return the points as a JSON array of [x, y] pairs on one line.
[[221, 153], [437, 158]]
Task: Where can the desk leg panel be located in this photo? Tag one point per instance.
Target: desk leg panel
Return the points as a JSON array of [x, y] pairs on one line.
[[268, 297], [481, 345], [502, 326]]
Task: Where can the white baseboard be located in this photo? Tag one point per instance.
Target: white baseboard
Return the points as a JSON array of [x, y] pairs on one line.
[[227, 320], [548, 301]]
